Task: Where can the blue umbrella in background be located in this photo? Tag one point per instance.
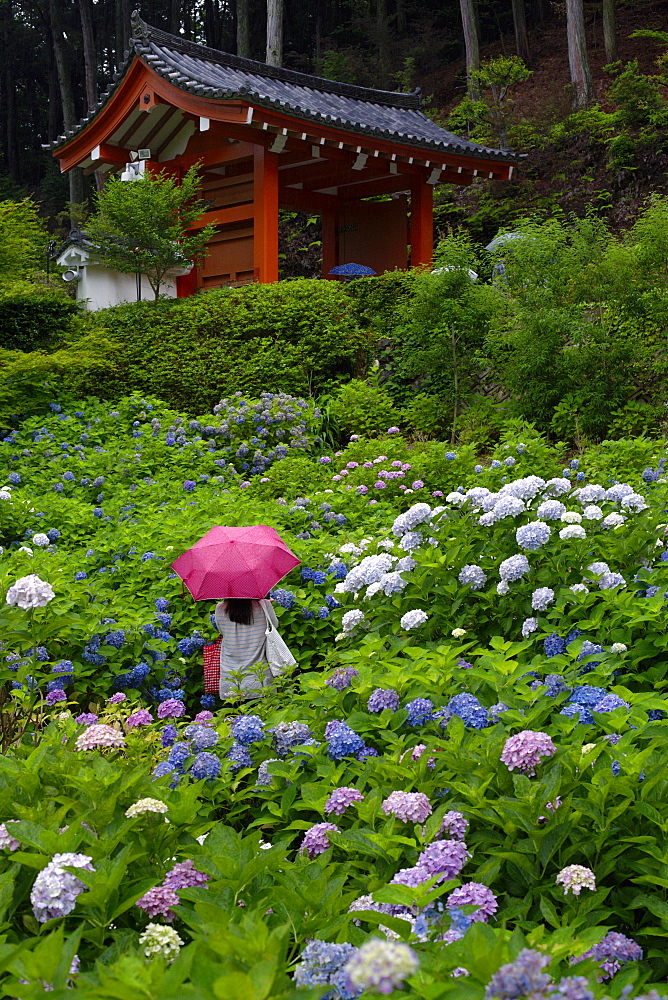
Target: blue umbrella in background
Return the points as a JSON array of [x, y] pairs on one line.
[[503, 238], [350, 271]]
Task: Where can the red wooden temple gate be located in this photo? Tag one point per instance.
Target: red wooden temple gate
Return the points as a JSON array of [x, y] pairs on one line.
[[269, 138]]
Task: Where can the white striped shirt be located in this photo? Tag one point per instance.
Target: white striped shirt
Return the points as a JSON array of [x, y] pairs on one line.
[[242, 647]]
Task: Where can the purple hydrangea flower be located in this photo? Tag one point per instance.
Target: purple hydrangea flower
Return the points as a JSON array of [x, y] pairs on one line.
[[474, 893], [55, 890], [381, 699], [57, 694], [315, 839], [381, 966], [342, 678], [420, 710], [444, 857], [158, 902], [522, 978], [454, 824], [184, 875], [341, 798], [613, 951], [86, 719], [142, 717], [523, 751], [171, 709]]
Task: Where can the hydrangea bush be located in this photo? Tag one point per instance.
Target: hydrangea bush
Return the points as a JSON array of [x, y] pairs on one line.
[[460, 794]]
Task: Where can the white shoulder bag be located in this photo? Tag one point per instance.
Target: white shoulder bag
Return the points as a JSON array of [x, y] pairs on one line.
[[278, 655]]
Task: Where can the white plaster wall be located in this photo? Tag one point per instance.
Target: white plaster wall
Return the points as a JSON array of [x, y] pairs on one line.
[[100, 287]]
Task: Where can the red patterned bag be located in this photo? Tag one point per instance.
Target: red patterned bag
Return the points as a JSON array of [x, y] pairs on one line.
[[211, 656]]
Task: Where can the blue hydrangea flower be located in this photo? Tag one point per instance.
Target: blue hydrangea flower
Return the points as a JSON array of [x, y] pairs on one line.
[[168, 736], [206, 765], [247, 729], [469, 710], [420, 710], [239, 756]]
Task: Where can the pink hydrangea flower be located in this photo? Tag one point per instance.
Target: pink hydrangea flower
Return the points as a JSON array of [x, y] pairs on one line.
[[407, 806], [341, 798], [523, 751], [575, 878], [98, 737], [159, 901], [454, 824]]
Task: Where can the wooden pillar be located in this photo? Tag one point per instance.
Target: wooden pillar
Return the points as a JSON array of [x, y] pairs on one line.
[[422, 223], [329, 258], [265, 214]]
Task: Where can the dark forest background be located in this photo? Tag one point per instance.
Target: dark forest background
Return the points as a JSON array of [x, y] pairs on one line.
[[57, 58]]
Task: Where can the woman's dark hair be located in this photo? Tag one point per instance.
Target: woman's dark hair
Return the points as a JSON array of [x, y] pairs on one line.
[[239, 610]]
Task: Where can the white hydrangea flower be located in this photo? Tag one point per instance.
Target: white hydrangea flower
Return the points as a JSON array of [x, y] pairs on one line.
[[351, 620], [591, 494], [572, 531], [618, 491], [411, 518], [405, 564], [579, 588], [542, 598], [514, 567], [456, 499], [487, 520], [599, 568], [575, 878], [30, 592], [41, 540], [503, 587], [592, 512], [611, 580], [613, 521], [159, 939], [5, 494], [457, 633], [372, 590], [26, 549], [148, 805], [529, 626], [524, 489], [472, 576], [508, 506], [571, 517], [618, 647], [633, 501], [386, 543], [412, 619], [557, 487]]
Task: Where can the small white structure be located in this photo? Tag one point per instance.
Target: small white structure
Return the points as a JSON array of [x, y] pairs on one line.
[[99, 286]]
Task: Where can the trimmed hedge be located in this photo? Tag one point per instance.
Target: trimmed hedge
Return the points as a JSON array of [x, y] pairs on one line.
[[33, 316], [294, 336]]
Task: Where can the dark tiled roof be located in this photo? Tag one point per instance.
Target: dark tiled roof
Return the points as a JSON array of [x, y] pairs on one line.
[[221, 76]]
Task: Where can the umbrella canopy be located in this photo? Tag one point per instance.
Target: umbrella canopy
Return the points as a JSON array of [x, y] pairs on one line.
[[235, 562], [352, 270], [503, 238]]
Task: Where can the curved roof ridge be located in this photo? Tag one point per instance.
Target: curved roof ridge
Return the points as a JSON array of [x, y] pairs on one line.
[[144, 34]]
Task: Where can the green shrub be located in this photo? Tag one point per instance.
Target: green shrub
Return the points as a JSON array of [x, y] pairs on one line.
[[293, 336], [427, 415], [28, 381], [481, 423], [364, 408], [23, 239], [33, 316], [637, 97], [636, 419]]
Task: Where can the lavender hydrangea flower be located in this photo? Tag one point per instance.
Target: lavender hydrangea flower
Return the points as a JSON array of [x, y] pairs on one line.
[[474, 893], [316, 841], [529, 626], [523, 752], [412, 807], [341, 799], [381, 966], [420, 710], [322, 964], [542, 598], [444, 857], [55, 890], [351, 620], [522, 978], [7, 842], [184, 875], [514, 568], [532, 536], [381, 699], [172, 708], [454, 824], [472, 576], [342, 678], [206, 765], [142, 717], [613, 951]]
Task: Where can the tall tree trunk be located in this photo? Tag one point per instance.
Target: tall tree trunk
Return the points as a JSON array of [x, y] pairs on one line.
[[174, 16], [577, 55], [66, 93], [470, 28], [8, 97], [383, 41], [90, 61], [520, 25], [243, 29], [401, 18], [274, 33], [609, 31]]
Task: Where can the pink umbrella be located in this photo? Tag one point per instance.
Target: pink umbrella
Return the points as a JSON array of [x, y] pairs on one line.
[[235, 562]]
